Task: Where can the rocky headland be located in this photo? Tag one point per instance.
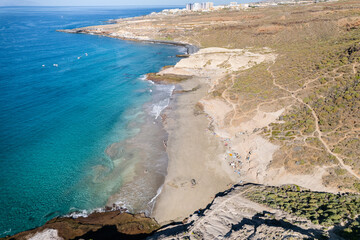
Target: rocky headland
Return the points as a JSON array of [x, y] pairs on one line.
[[98, 225]]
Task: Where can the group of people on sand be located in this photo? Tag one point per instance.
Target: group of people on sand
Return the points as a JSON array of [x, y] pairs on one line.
[[233, 158]]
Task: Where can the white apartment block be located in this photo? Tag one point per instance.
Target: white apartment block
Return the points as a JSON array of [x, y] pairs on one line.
[[199, 6], [209, 5]]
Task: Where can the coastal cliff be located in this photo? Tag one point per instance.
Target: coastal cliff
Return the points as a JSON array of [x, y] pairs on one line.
[[241, 212]]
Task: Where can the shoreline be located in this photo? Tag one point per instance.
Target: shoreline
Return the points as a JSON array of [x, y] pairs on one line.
[[189, 47], [145, 154], [112, 202]]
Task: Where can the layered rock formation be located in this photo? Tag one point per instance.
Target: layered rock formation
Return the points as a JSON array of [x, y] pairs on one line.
[[232, 216]]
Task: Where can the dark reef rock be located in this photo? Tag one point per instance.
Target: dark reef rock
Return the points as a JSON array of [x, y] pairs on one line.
[[183, 55], [166, 78], [104, 225]]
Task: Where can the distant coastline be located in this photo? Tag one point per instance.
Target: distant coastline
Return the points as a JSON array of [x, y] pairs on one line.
[[189, 47]]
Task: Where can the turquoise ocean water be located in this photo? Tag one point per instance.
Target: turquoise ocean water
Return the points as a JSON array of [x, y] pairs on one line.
[[57, 122]]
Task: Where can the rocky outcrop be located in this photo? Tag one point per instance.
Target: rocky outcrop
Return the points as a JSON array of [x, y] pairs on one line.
[[232, 216], [166, 78], [98, 225]]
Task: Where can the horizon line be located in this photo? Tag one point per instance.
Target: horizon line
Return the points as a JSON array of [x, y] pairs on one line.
[[87, 5]]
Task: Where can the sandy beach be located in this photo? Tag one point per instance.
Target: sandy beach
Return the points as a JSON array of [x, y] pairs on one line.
[[195, 170]]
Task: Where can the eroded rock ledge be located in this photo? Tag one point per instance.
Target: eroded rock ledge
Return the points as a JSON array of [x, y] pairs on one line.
[[98, 225]]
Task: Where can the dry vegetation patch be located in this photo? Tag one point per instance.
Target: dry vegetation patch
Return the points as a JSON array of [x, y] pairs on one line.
[[327, 209], [315, 74]]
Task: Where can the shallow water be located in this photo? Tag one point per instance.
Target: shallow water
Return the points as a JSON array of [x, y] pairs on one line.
[[57, 121]]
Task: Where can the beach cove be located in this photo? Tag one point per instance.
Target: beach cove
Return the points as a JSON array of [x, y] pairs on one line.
[[242, 143]]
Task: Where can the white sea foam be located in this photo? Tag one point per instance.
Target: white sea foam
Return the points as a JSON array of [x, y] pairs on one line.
[[157, 194], [78, 214], [162, 104], [143, 77], [6, 232], [159, 107], [153, 200], [184, 50], [84, 213], [121, 204]]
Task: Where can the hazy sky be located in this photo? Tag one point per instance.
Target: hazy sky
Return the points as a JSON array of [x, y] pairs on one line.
[[104, 2]]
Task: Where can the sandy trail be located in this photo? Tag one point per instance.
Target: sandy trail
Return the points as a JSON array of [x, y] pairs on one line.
[[319, 134]]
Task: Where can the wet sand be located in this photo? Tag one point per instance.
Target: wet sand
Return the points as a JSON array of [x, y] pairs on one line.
[[142, 159]]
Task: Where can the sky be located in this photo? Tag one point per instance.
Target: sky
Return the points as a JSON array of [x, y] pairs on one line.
[[107, 2]]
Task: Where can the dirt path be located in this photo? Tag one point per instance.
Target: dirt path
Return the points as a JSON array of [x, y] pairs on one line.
[[319, 134]]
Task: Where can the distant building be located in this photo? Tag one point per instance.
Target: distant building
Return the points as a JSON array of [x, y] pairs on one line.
[[197, 7], [245, 5], [219, 7], [209, 5], [189, 6], [233, 4]]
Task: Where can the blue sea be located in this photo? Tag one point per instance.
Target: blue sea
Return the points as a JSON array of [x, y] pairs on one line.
[[79, 126]]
